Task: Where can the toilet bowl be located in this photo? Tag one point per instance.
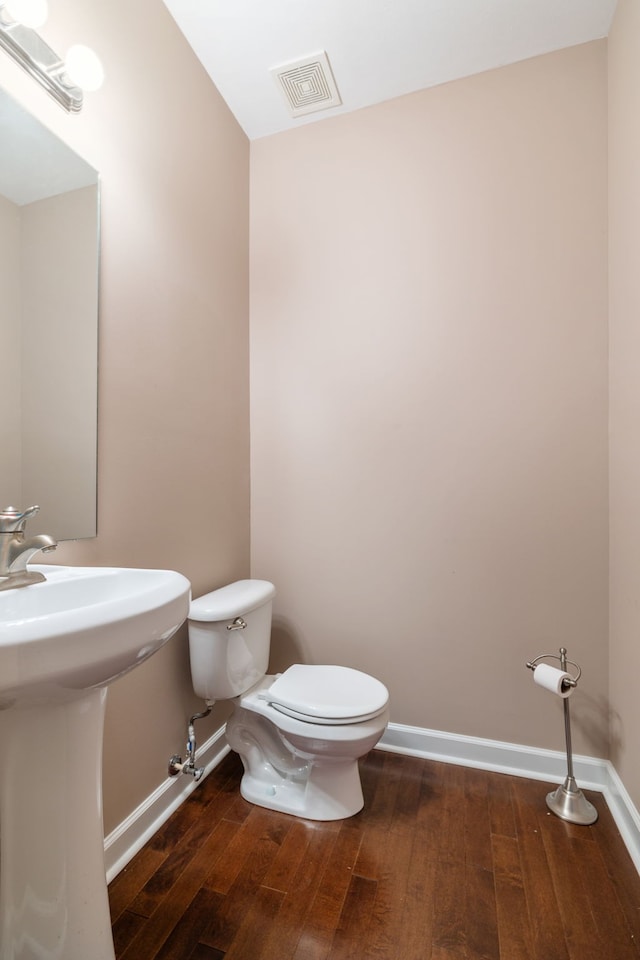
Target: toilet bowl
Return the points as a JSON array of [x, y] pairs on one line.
[[300, 733]]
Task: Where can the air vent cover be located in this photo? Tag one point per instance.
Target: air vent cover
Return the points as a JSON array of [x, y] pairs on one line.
[[307, 85]]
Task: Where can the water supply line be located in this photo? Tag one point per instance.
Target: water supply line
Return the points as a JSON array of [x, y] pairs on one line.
[[176, 764]]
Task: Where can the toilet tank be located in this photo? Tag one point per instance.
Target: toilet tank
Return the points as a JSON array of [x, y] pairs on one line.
[[229, 638]]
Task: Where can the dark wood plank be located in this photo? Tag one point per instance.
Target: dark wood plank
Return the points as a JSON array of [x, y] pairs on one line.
[[545, 922], [260, 826], [511, 902], [219, 835], [202, 952], [621, 872], [449, 927], [322, 919], [443, 863], [580, 929], [353, 924], [481, 918], [450, 799], [416, 928], [613, 930], [127, 926], [477, 819], [290, 923], [501, 806], [258, 918], [257, 844], [185, 936], [130, 881], [286, 863], [408, 796], [385, 796], [387, 915], [173, 906], [370, 770]]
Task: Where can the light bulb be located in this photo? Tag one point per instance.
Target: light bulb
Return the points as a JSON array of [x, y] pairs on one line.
[[31, 13], [83, 68]]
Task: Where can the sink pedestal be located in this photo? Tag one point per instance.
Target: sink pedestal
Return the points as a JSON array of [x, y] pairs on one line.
[[53, 889], [62, 642]]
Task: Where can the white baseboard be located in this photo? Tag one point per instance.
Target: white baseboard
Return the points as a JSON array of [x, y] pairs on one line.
[[625, 814], [534, 763], [122, 844], [521, 761]]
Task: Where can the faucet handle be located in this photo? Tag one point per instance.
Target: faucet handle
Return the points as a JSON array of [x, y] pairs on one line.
[[13, 520]]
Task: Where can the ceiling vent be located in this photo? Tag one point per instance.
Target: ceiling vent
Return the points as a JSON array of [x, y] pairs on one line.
[[307, 85]]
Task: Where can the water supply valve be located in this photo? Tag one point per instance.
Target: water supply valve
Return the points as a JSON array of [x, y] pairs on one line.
[[176, 766]]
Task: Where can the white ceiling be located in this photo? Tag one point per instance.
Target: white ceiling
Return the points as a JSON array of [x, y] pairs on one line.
[[378, 49]]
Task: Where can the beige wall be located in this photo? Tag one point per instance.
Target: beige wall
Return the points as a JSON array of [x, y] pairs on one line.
[[429, 375], [624, 311], [173, 389], [10, 382]]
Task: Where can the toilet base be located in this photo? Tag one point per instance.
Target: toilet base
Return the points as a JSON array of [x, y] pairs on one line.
[[301, 775], [332, 791]]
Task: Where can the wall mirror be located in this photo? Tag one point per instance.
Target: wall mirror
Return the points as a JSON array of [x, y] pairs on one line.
[[49, 254]]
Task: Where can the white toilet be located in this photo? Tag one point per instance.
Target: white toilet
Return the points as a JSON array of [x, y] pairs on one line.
[[300, 733]]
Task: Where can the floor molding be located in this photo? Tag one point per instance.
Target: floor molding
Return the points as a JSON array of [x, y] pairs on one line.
[[624, 812], [122, 844], [518, 760]]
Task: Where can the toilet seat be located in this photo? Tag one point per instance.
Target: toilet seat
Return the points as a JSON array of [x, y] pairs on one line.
[[326, 694]]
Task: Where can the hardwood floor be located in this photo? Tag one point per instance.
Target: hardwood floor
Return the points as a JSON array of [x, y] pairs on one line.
[[443, 863]]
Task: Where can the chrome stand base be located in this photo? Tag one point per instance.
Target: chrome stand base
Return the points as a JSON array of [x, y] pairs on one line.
[[569, 803]]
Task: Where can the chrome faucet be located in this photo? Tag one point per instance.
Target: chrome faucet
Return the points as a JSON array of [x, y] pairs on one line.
[[15, 551]]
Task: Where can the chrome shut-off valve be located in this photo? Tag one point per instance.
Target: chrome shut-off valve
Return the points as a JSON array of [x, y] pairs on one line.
[[176, 763]]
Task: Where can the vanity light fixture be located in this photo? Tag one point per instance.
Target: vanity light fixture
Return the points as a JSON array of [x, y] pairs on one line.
[[63, 80], [30, 13], [84, 67]]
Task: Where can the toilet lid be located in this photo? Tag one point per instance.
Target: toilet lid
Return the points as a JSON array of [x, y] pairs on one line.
[[327, 693]]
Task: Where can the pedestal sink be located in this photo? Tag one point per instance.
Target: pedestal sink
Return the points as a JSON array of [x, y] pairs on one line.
[[61, 643]]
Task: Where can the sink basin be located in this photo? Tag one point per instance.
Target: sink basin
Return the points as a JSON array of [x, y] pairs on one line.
[[84, 627], [61, 643]]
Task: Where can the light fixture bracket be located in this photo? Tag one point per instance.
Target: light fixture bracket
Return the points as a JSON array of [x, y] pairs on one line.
[[27, 48]]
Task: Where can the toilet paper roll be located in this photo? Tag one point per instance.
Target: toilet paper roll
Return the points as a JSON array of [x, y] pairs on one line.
[[551, 679]]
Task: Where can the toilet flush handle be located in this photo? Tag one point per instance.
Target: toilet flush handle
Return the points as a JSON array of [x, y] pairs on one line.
[[238, 624]]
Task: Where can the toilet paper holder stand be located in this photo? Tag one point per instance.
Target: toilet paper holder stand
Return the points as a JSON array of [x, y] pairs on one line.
[[568, 801]]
